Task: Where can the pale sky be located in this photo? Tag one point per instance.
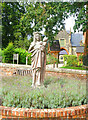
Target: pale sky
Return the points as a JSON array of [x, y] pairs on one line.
[[69, 23]]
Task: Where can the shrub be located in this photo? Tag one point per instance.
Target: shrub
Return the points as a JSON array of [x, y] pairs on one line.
[[71, 60], [22, 55], [8, 53], [80, 60], [85, 60], [0, 52], [24, 44], [50, 59], [2, 55]]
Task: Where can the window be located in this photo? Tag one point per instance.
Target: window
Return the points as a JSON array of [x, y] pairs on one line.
[[62, 42]]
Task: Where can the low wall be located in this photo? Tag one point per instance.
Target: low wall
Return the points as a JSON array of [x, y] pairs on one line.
[[76, 113], [12, 69], [62, 70], [7, 71]]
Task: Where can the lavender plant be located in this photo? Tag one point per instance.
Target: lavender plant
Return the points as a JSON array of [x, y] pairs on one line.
[[56, 93]]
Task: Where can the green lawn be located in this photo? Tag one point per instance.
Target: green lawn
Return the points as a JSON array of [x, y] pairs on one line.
[[78, 68], [57, 92]]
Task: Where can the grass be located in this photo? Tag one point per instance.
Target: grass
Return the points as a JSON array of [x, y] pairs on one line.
[[77, 68], [57, 92]]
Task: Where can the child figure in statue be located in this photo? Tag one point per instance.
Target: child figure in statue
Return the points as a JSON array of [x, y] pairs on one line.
[[37, 48]]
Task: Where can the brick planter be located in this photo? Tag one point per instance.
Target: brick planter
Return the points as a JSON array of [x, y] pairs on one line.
[[78, 112], [72, 113]]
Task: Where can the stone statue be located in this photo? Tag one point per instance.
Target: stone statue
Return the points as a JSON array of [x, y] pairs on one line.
[[37, 48]]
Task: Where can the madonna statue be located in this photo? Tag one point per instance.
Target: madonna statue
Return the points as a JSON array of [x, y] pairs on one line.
[[37, 48]]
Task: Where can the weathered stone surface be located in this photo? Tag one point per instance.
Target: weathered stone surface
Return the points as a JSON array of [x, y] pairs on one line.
[[37, 48]]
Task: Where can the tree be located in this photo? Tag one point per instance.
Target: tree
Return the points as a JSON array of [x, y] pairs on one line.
[[49, 16], [81, 22], [11, 13], [21, 20], [79, 10]]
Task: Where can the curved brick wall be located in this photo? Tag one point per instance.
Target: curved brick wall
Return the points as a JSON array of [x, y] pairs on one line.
[[78, 112]]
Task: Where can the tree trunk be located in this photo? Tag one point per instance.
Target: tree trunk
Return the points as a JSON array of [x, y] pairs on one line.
[[86, 43], [86, 38]]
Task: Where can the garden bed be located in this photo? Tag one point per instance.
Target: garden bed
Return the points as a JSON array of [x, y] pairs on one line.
[[57, 92], [61, 97]]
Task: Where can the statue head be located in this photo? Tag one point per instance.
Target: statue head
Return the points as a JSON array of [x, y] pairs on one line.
[[37, 36]]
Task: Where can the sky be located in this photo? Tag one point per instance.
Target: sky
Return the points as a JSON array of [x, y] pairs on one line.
[[69, 23]]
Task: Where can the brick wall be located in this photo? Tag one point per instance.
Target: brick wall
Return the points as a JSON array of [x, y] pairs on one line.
[[22, 70], [75, 113], [13, 70], [69, 75], [7, 71]]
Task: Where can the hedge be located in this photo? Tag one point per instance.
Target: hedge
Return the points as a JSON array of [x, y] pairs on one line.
[[10, 50], [8, 53], [22, 55], [70, 60]]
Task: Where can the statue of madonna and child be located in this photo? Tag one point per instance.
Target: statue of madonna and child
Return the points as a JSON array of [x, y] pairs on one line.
[[37, 48]]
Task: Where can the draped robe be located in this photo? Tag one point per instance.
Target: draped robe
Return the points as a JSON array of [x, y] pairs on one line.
[[38, 63]]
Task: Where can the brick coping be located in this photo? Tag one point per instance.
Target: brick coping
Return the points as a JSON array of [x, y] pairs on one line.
[[65, 113]]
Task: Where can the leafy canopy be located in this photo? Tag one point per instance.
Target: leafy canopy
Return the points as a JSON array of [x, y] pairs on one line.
[[22, 19]]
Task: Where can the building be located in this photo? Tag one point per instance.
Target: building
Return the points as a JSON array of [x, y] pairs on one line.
[[67, 43]]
